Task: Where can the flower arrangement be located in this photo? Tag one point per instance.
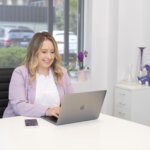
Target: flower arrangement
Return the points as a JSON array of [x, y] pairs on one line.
[[78, 63], [81, 59]]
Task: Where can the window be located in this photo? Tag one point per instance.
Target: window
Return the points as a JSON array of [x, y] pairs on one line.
[[20, 20], [1, 32]]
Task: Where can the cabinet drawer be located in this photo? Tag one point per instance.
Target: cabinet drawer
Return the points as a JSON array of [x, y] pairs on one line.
[[122, 113], [122, 98], [120, 93]]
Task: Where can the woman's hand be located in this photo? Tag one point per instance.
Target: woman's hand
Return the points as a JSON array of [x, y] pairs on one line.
[[53, 111]]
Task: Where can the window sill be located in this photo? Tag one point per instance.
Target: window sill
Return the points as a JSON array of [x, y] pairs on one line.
[[80, 76], [81, 85]]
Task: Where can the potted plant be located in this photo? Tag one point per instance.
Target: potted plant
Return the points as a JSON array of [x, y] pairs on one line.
[[82, 56]]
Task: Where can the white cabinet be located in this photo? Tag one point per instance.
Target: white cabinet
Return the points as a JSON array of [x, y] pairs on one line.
[[132, 103]]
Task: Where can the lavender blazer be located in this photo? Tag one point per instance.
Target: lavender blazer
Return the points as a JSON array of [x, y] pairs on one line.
[[22, 94]]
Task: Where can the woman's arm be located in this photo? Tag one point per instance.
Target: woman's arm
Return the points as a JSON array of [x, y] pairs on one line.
[[18, 97]]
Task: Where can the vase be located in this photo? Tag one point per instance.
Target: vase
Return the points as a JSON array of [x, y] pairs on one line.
[[140, 62], [81, 76], [81, 65]]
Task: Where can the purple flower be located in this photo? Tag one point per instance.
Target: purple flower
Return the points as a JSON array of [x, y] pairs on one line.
[[85, 53], [80, 56]]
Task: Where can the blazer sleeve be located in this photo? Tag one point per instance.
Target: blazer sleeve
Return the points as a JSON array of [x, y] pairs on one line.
[[18, 99], [67, 83]]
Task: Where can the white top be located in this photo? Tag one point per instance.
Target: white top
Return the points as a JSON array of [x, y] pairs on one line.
[[105, 133], [46, 91]]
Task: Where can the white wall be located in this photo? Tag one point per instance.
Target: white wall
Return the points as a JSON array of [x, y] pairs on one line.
[[112, 34], [129, 31], [145, 31]]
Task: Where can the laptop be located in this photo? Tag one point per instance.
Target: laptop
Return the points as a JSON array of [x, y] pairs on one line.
[[79, 107]]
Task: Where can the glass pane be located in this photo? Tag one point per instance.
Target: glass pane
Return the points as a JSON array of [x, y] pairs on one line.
[[58, 26], [73, 39], [19, 21], [73, 30]]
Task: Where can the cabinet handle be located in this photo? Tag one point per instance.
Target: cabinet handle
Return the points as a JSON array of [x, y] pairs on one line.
[[123, 104], [123, 94], [121, 113]]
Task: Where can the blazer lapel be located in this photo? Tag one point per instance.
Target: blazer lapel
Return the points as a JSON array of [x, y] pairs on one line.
[[33, 90]]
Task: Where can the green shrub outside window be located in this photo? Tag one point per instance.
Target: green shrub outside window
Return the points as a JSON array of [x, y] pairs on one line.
[[11, 57]]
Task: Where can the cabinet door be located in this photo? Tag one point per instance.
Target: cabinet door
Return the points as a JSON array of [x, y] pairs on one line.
[[141, 106], [122, 103]]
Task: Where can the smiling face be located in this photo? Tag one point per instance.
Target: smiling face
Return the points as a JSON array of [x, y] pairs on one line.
[[46, 55]]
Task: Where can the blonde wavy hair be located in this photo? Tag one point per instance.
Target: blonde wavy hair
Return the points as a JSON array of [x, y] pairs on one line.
[[31, 61]]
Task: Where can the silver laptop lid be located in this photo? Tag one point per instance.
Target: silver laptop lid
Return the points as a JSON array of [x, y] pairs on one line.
[[81, 107]]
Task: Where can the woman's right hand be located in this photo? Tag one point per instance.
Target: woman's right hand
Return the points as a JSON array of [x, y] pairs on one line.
[[53, 111]]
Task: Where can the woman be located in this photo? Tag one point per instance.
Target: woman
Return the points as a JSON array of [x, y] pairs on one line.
[[37, 87]]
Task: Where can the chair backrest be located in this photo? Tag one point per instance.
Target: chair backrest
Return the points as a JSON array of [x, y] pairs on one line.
[[5, 76]]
